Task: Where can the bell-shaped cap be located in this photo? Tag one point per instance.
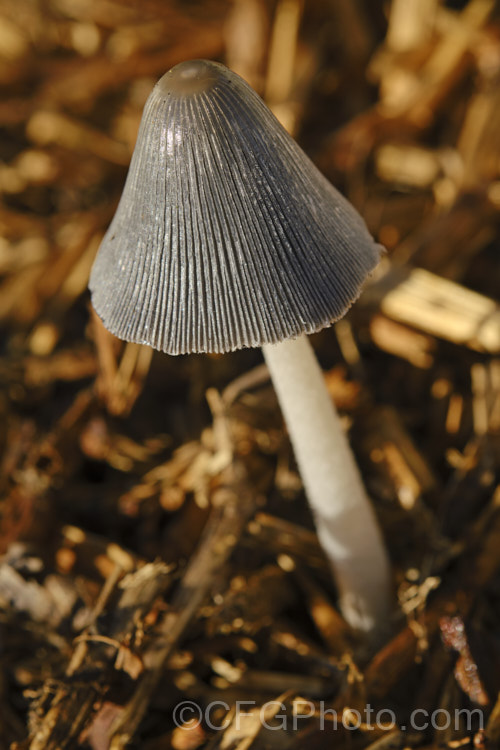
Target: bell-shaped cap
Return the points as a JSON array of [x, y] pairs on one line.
[[226, 235]]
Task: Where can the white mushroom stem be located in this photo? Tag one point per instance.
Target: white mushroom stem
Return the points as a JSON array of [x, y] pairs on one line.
[[345, 521]]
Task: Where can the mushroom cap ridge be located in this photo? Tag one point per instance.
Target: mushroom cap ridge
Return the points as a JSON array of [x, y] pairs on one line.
[[226, 235]]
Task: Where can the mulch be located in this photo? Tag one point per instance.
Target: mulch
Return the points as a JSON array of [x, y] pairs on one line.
[[161, 584]]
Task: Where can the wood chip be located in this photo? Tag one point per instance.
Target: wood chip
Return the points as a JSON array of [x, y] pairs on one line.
[[444, 309]]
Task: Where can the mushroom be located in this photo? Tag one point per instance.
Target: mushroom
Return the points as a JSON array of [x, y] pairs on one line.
[[227, 236]]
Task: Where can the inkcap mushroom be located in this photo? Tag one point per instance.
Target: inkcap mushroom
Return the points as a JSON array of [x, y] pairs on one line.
[[227, 236]]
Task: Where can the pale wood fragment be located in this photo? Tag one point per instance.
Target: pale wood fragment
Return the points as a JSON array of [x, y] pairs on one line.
[[281, 65], [479, 381], [407, 165], [445, 309], [404, 342], [495, 396], [454, 414], [410, 23], [246, 38]]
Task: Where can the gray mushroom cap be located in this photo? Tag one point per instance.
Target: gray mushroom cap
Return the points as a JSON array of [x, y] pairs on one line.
[[226, 235]]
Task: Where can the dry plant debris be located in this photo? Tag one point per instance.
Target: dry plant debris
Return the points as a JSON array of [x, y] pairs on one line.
[[155, 543]]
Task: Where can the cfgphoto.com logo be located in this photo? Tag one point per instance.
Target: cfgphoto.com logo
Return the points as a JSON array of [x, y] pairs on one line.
[[275, 716]]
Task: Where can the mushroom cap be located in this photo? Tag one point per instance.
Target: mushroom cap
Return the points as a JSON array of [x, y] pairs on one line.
[[226, 235]]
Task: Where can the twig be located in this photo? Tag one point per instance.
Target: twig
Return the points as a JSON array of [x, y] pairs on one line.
[[220, 537]]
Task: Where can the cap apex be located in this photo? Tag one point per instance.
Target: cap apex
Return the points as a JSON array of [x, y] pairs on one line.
[[191, 77]]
